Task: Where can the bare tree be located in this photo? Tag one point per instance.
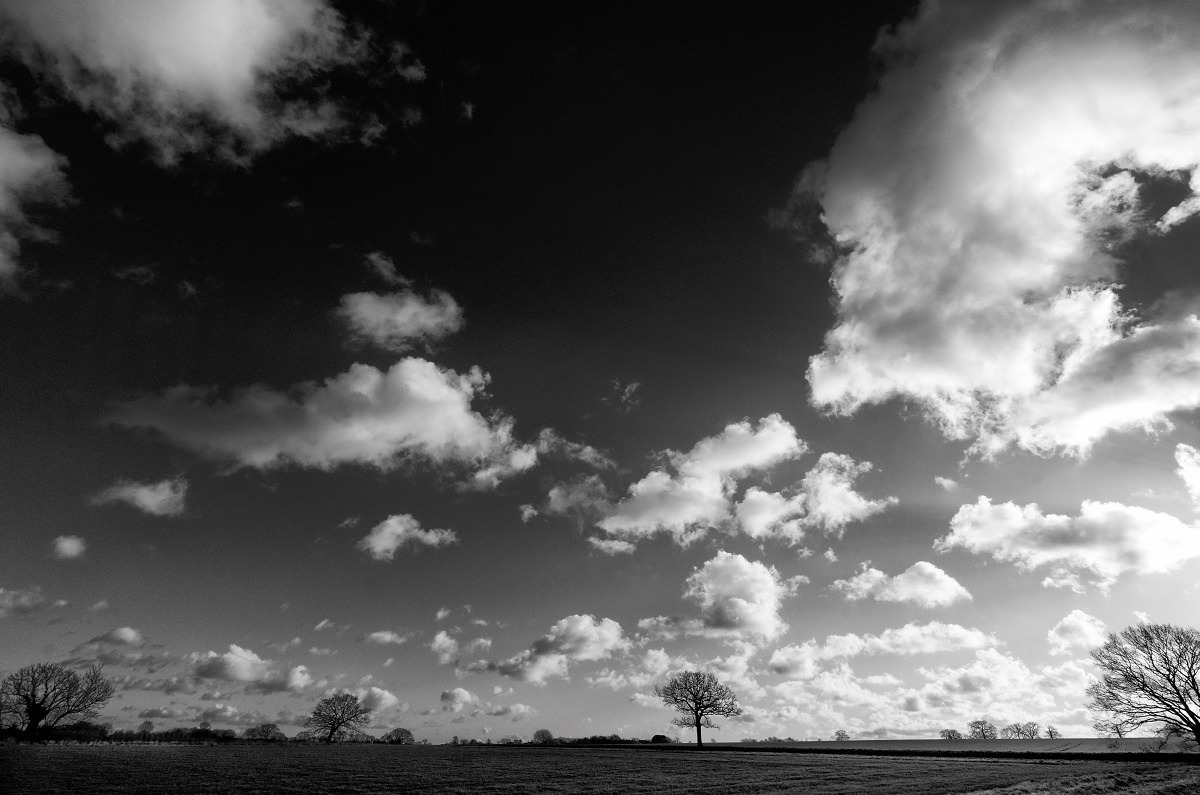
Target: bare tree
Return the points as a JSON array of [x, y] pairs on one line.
[[1030, 730], [1010, 732], [1150, 675], [338, 713], [841, 736], [1052, 733], [981, 730], [45, 694], [950, 734], [698, 694]]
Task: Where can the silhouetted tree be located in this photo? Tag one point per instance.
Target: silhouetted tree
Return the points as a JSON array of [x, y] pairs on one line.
[[1150, 674], [1052, 733], [841, 736], [698, 694], [337, 713], [398, 736], [981, 730], [266, 732], [660, 738], [951, 734], [543, 737], [45, 694]]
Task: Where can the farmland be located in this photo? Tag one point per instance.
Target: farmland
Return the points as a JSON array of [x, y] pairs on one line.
[[373, 768]]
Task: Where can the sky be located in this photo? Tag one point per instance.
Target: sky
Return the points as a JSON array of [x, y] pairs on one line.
[[494, 361]]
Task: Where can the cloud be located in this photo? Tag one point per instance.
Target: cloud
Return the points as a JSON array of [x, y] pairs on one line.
[[934, 637], [766, 514], [386, 636], [69, 547], [382, 266], [923, 584], [739, 599], [21, 600], [443, 613], [1106, 540], [1187, 459], [624, 397], [831, 501], [653, 666], [517, 712], [395, 531], [231, 77], [693, 493], [397, 321], [976, 203], [164, 498], [445, 647], [30, 171], [121, 636], [376, 698], [576, 638], [946, 484], [243, 665], [380, 418], [458, 699], [1077, 631]]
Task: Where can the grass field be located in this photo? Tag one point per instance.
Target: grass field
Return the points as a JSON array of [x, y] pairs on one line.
[[375, 768]]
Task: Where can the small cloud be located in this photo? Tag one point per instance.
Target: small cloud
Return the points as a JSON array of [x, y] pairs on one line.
[[946, 483], [830, 555], [69, 547], [528, 512], [98, 606], [121, 636], [164, 498], [396, 531], [623, 396], [138, 274], [443, 613], [386, 636]]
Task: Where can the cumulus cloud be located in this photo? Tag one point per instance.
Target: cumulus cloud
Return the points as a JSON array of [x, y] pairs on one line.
[[413, 410], [376, 698], [164, 498], [803, 660], [692, 494], [121, 636], [69, 547], [243, 665], [231, 77], [1078, 631], [445, 647], [396, 531], [517, 712], [386, 636], [922, 584], [459, 699], [30, 172], [975, 203], [739, 599], [397, 321], [21, 600], [946, 484], [576, 638], [1187, 460], [652, 667], [831, 501], [1106, 540]]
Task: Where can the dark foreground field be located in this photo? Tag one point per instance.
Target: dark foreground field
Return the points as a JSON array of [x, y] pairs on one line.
[[375, 768]]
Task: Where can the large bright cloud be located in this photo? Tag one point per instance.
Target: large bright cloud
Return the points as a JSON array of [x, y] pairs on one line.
[[922, 584], [1078, 631], [243, 665], [414, 409], [576, 638], [230, 76], [974, 203], [1106, 540], [739, 599], [692, 495]]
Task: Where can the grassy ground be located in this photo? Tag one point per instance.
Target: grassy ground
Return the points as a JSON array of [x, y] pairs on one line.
[[371, 768]]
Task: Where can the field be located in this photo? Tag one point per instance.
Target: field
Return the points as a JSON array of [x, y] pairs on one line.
[[376, 768]]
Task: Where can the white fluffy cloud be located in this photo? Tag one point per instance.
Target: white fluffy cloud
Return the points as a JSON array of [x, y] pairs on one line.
[[376, 698], [395, 531], [974, 203], [922, 583], [739, 599], [21, 600], [243, 665], [803, 660], [516, 712], [29, 171], [576, 638], [445, 647], [1078, 631], [164, 498], [414, 409], [188, 77], [458, 699], [1106, 540], [692, 495], [121, 636], [1187, 459], [386, 637], [69, 547], [832, 503], [398, 321]]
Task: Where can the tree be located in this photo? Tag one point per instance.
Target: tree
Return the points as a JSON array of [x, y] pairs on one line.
[[266, 732], [841, 736], [338, 713], [45, 694], [981, 730], [698, 695], [543, 737], [398, 736], [951, 734], [1052, 733], [660, 738], [1150, 674]]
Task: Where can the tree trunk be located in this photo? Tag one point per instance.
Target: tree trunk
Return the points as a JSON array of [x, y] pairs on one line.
[[35, 715], [698, 732]]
